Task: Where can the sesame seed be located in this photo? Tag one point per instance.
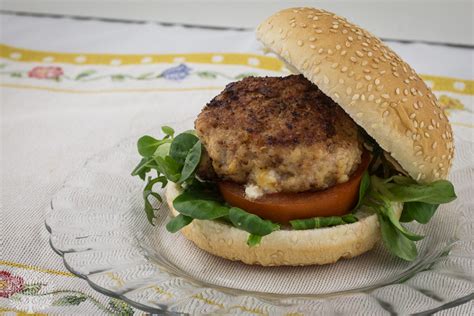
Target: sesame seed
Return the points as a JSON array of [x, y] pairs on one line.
[[341, 81], [358, 85], [353, 59], [430, 127], [312, 39], [386, 113], [348, 44], [355, 97], [360, 114], [350, 38], [359, 53], [335, 65], [367, 77], [321, 50], [315, 18], [434, 145], [397, 91], [415, 106], [349, 90], [299, 42], [336, 95], [405, 91], [326, 80], [338, 47], [362, 97], [427, 135], [343, 52], [369, 87], [371, 97], [312, 46], [316, 70], [330, 52], [385, 96], [344, 69], [365, 63], [412, 116]]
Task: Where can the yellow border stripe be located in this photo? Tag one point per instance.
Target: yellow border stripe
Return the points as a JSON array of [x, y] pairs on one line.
[[30, 87], [251, 60], [33, 268], [438, 83], [450, 84]]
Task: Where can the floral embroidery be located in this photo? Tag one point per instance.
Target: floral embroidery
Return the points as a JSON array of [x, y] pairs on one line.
[[10, 284], [45, 72], [35, 295], [176, 73]]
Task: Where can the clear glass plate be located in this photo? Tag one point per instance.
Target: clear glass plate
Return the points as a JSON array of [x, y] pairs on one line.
[[98, 226]]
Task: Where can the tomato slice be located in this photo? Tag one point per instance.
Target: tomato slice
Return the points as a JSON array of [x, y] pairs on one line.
[[282, 207]]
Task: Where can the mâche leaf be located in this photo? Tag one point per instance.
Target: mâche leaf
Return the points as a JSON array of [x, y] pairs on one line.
[[251, 223], [364, 186], [168, 131], [147, 145], [418, 211], [253, 240], [168, 167], [438, 192], [349, 218], [191, 162], [397, 243], [178, 222], [181, 146], [199, 205], [147, 192], [320, 222], [390, 215]]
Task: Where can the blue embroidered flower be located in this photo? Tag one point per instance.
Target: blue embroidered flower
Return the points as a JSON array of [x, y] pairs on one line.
[[176, 73]]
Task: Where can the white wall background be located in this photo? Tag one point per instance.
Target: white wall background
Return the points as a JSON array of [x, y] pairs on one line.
[[443, 21]]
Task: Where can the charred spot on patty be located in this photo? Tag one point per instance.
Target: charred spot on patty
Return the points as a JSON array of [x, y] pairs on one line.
[[282, 134]]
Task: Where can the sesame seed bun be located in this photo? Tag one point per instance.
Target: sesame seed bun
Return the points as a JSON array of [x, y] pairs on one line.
[[284, 247], [381, 92]]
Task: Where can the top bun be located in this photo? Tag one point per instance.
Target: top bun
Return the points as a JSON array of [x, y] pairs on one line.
[[381, 92]]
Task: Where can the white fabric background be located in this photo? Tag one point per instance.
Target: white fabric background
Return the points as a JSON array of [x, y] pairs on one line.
[[46, 136]]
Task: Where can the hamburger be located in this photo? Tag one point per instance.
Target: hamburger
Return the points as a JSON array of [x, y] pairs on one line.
[[312, 167]]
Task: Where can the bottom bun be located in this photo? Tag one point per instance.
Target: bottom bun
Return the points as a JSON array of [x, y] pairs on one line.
[[286, 246]]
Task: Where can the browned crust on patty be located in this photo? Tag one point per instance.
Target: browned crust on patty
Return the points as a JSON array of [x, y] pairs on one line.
[[297, 111]]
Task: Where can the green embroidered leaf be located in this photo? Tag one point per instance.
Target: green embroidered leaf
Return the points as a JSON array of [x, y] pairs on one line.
[[16, 75], [206, 74], [117, 77], [119, 307], [245, 75], [32, 289], [69, 300], [84, 74], [145, 76]]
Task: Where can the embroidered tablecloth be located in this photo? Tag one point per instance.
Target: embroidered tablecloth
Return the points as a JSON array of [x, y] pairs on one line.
[[70, 88]]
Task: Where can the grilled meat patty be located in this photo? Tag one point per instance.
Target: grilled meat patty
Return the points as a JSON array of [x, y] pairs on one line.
[[279, 135]]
